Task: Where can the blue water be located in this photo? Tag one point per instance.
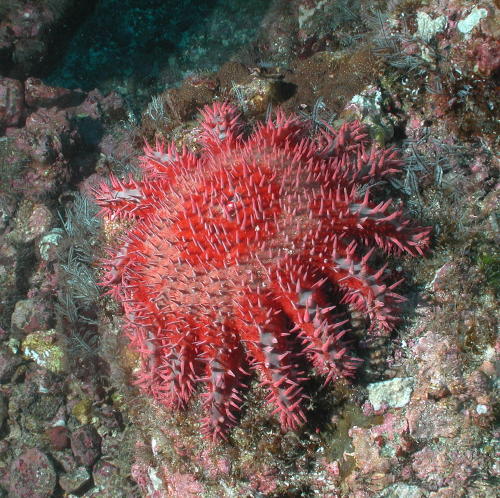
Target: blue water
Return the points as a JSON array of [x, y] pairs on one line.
[[155, 43]]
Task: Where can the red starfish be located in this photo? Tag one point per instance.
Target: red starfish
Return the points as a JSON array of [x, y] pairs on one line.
[[239, 254]]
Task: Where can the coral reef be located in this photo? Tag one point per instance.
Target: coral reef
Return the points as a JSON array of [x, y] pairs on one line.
[[418, 418], [239, 255]]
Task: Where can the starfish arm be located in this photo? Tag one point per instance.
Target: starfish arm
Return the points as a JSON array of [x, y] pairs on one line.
[[345, 152], [167, 344], [221, 127], [378, 164], [174, 370], [348, 139], [129, 198], [392, 232], [363, 287], [281, 131], [164, 161], [357, 218], [301, 292], [224, 381], [276, 366], [269, 344]]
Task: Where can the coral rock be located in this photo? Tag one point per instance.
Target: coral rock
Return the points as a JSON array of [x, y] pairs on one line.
[[37, 94], [86, 445], [72, 482], [11, 102], [58, 437], [247, 257], [32, 475], [8, 364]]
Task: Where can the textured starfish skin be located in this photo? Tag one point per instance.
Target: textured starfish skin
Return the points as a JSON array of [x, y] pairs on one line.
[[237, 253]]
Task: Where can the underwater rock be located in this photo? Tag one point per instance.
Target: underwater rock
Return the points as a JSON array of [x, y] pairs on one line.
[[32, 475]]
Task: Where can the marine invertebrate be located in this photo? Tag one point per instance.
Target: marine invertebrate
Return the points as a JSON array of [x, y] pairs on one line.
[[237, 255], [77, 288]]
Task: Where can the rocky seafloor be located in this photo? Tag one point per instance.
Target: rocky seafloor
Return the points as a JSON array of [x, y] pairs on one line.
[[84, 84]]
